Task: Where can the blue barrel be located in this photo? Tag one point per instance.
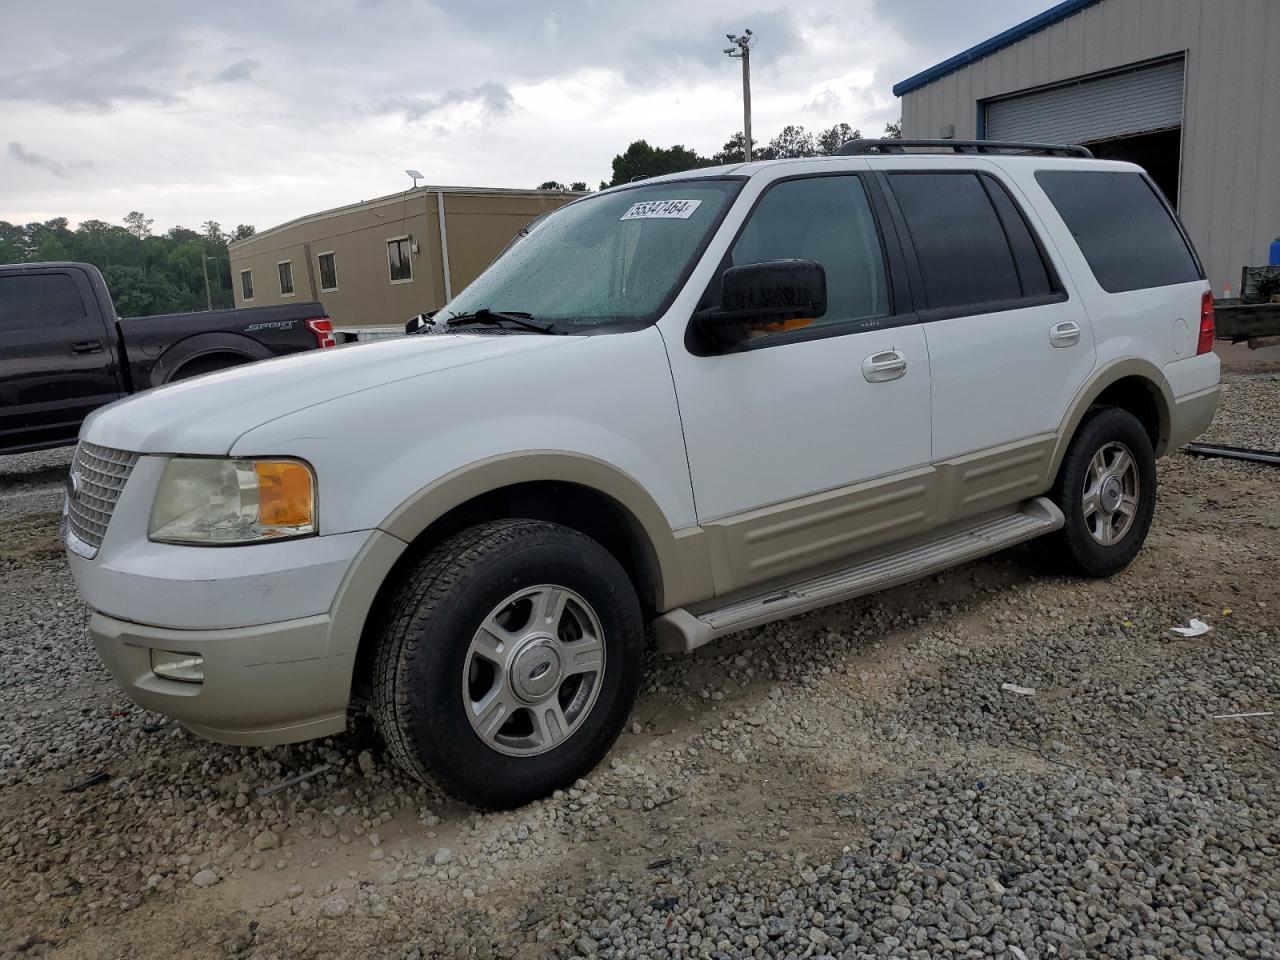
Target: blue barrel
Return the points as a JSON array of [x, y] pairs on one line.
[[1275, 252]]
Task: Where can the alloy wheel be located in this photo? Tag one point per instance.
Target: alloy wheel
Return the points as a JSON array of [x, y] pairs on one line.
[[533, 670], [1112, 490]]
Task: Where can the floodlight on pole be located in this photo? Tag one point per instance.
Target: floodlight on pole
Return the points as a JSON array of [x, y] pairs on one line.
[[416, 177], [741, 50]]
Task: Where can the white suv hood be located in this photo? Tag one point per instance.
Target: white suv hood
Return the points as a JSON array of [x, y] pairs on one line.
[[208, 414]]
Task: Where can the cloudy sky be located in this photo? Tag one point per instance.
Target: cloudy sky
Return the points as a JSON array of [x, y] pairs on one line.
[[257, 112]]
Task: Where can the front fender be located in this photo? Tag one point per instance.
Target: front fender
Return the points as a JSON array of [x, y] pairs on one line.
[[678, 557]]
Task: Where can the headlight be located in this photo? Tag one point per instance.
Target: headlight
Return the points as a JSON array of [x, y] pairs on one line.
[[209, 501]]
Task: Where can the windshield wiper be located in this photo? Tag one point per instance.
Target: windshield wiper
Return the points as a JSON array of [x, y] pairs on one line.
[[496, 317]]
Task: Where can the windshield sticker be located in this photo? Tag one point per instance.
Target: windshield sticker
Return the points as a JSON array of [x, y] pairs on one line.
[[662, 210]]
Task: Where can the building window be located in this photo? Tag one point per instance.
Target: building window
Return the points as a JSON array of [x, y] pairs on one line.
[[398, 260], [286, 277], [246, 284], [328, 272]]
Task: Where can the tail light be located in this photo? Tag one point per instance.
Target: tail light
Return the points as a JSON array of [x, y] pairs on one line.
[[1208, 324], [322, 327]]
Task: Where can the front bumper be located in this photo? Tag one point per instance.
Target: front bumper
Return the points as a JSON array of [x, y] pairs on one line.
[[277, 624], [262, 685], [279, 681]]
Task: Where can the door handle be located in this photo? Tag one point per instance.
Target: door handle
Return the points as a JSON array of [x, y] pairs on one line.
[[884, 366], [1066, 334], [87, 346]]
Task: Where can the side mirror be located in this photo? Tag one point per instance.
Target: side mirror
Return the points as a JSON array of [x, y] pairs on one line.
[[762, 293], [420, 322]]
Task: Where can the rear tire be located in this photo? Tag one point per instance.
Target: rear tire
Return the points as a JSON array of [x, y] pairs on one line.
[[1106, 489], [203, 365], [508, 662]]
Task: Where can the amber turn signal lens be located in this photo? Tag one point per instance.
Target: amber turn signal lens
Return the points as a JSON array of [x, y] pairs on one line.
[[285, 495]]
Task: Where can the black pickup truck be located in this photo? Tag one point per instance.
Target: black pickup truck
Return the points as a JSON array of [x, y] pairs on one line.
[[64, 352]]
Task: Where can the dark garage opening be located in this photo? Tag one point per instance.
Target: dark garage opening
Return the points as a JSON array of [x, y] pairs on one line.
[[1158, 153]]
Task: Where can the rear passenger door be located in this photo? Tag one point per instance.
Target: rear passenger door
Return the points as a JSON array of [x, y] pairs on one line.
[[1008, 347], [57, 362]]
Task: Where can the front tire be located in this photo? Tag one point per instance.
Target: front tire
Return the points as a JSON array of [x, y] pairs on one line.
[[508, 662], [199, 367], [1106, 489]]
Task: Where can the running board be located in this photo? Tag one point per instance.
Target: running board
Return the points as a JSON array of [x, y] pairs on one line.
[[683, 630]]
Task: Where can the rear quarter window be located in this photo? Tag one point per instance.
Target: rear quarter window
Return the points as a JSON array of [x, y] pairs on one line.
[[1122, 226]]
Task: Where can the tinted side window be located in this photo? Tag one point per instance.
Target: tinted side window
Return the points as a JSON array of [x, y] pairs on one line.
[[1033, 272], [1122, 227], [39, 300], [828, 220], [960, 245]]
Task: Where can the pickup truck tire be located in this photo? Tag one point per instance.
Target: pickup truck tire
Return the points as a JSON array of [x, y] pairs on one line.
[[203, 365], [508, 662], [1106, 488]]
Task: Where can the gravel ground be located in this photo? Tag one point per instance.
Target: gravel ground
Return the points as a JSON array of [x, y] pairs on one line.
[[33, 482], [852, 783]]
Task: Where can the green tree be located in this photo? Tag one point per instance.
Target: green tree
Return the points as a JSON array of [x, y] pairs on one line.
[[732, 151], [893, 131], [243, 231], [831, 139], [579, 185], [792, 141], [551, 185], [13, 243], [138, 224], [641, 161], [138, 294]]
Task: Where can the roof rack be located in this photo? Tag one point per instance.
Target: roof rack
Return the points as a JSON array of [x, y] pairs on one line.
[[854, 148]]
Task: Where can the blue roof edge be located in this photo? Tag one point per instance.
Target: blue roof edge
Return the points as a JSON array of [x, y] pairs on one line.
[[1011, 36]]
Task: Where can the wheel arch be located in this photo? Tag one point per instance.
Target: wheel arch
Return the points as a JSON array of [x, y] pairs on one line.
[[1135, 385], [217, 343], [669, 568]]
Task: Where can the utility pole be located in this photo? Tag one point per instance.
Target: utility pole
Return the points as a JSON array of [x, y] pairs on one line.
[[741, 50], [204, 265]]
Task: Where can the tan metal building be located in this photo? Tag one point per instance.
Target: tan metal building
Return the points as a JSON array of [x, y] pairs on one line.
[[1190, 89], [380, 262]]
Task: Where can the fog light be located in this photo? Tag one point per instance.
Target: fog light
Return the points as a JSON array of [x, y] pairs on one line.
[[187, 667]]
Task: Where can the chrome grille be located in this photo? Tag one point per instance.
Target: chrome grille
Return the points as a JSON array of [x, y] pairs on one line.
[[98, 474]]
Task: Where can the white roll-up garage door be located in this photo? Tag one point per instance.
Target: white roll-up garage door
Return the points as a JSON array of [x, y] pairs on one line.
[[1117, 105]]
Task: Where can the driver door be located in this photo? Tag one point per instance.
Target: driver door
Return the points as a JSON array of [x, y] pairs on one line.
[[808, 445]]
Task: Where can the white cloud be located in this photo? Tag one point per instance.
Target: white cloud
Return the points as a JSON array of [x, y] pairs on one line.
[[245, 112]]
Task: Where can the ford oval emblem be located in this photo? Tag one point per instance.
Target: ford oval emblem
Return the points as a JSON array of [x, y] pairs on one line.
[[540, 670]]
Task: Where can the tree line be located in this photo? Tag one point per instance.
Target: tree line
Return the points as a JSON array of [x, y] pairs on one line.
[[641, 160], [146, 273]]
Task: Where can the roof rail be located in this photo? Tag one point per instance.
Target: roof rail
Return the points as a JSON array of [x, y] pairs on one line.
[[854, 148]]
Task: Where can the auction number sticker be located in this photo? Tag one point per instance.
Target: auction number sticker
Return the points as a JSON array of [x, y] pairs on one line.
[[662, 210]]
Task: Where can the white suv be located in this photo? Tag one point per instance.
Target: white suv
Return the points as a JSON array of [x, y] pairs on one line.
[[682, 407]]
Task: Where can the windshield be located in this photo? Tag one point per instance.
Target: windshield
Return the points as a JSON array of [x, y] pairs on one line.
[[612, 259]]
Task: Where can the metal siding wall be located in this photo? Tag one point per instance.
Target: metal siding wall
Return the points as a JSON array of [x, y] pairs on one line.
[[1114, 106], [1230, 191]]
